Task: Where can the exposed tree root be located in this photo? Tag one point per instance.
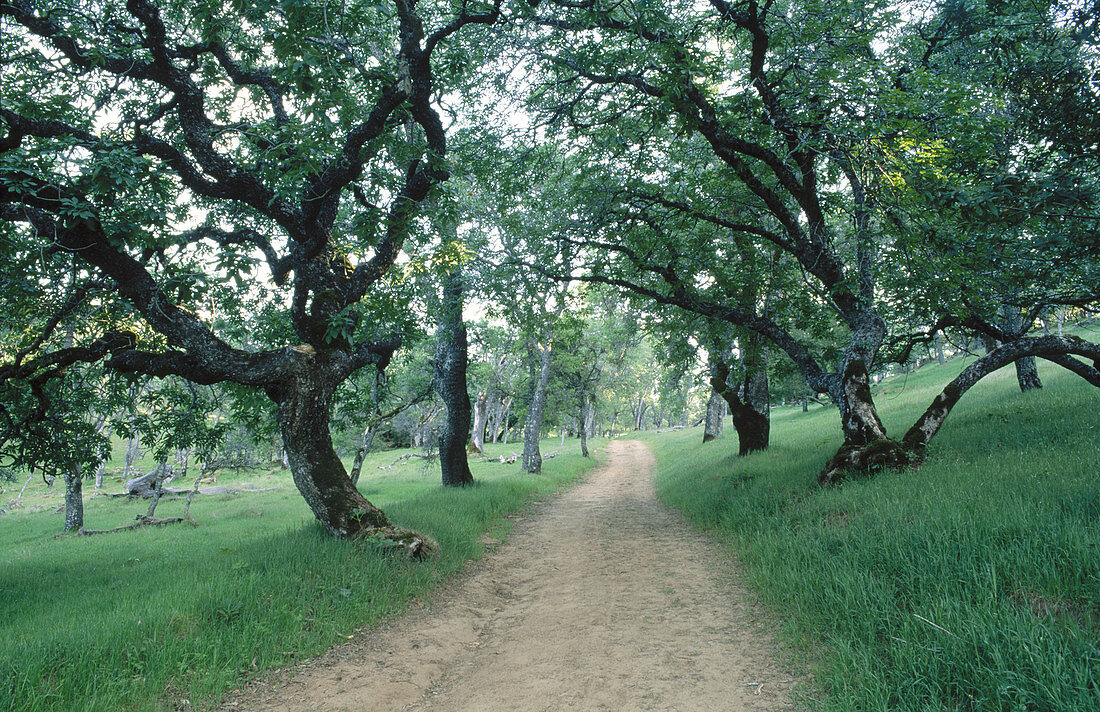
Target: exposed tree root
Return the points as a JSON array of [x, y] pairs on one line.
[[412, 545], [856, 460]]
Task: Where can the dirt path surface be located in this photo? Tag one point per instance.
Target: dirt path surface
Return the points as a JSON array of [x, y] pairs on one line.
[[601, 599]]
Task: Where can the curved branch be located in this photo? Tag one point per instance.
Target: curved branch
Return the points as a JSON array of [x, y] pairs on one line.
[[918, 436]]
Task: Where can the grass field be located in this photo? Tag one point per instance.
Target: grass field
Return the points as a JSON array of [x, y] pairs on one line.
[[144, 620], [972, 583]]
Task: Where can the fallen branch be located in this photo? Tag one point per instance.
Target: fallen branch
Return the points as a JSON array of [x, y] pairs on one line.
[[231, 490], [503, 459], [406, 456], [142, 521], [202, 490]]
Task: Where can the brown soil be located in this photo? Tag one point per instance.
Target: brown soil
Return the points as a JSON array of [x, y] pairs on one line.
[[601, 599]]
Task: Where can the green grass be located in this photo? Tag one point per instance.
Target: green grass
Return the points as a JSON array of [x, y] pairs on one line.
[[142, 620], [972, 583]]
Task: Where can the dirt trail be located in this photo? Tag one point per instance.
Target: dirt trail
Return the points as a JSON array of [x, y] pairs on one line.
[[601, 599]]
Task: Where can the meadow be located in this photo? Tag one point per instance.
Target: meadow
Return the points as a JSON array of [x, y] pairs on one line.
[[971, 583], [175, 617]]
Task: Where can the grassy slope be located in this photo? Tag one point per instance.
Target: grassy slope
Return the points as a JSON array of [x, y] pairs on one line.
[[970, 584], [139, 620]]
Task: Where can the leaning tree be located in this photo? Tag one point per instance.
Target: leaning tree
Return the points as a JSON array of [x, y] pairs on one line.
[[198, 166]]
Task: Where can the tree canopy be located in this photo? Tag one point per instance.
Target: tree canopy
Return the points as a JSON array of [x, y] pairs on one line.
[[250, 196]]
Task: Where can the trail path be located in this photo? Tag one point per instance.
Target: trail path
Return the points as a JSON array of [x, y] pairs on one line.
[[601, 599]]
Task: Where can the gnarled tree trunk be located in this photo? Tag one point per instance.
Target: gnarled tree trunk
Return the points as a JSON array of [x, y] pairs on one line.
[[303, 416], [361, 453], [1054, 348], [866, 446], [753, 426], [582, 425]]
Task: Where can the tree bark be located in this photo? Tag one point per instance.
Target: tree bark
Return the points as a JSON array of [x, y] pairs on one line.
[[303, 416], [451, 359], [1027, 374], [146, 485], [163, 473], [639, 412], [74, 502], [532, 429], [712, 423]]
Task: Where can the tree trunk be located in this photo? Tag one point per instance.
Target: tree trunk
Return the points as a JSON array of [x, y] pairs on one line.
[[939, 349], [303, 416], [163, 473], [481, 414], [532, 429], [133, 452], [451, 359], [74, 502], [1027, 375], [582, 426], [866, 447], [361, 453], [753, 427], [611, 428], [505, 425], [146, 485], [183, 457], [757, 393], [712, 423], [639, 412]]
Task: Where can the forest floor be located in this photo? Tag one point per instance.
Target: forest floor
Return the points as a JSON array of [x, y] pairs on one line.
[[601, 598]]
